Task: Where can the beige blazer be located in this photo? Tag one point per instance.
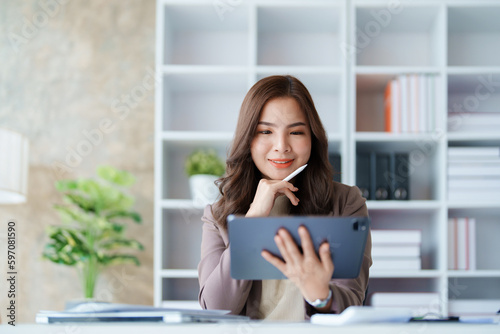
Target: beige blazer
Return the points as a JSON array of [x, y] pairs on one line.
[[219, 291]]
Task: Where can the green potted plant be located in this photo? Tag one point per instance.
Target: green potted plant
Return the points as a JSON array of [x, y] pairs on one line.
[[94, 216], [204, 167]]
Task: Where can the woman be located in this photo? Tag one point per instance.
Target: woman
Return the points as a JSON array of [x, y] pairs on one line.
[[278, 131]]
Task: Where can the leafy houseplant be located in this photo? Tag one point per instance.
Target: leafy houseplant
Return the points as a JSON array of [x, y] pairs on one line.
[[93, 214], [203, 168], [204, 162]]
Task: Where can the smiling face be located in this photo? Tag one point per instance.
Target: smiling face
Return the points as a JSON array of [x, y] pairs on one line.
[[282, 142]]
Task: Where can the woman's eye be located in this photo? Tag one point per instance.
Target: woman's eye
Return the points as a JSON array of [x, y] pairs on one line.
[[265, 132], [297, 133]]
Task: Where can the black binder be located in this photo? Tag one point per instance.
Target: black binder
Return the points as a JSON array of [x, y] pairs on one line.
[[335, 161], [382, 173], [400, 166], [363, 174]]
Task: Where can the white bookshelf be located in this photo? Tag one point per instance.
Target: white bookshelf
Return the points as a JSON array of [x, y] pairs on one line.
[[208, 58], [452, 40]]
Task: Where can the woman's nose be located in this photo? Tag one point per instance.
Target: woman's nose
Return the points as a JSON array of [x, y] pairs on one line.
[[282, 144]]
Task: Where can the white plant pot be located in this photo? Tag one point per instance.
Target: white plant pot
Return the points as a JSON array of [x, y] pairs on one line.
[[203, 189]]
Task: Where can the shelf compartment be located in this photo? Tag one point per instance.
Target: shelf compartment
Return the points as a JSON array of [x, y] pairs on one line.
[[473, 102], [468, 188], [423, 166], [197, 35], [175, 179], [179, 290], [182, 231], [212, 99], [404, 285], [426, 221], [370, 102], [473, 288], [487, 232], [409, 36], [473, 36], [299, 35]]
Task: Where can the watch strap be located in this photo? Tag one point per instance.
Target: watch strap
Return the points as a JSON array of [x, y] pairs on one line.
[[320, 303]]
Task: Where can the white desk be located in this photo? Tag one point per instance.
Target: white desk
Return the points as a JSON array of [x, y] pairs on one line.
[[252, 328]]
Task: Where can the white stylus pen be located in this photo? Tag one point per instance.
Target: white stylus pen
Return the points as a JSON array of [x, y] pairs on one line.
[[297, 171]]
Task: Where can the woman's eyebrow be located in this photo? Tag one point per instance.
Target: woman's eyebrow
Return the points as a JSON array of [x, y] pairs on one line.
[[288, 126]]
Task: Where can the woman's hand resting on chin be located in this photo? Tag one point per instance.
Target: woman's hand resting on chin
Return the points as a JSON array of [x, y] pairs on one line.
[[266, 194]]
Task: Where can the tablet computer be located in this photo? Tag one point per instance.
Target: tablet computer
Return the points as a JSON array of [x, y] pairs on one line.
[[249, 236]]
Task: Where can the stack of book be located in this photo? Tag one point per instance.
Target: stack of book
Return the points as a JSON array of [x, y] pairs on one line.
[[421, 303], [474, 121], [473, 307], [396, 250], [473, 173], [462, 244], [410, 104]]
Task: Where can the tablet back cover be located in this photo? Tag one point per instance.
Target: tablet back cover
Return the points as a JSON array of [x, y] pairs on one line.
[[249, 236]]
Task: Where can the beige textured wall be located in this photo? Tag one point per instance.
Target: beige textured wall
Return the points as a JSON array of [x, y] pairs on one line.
[[67, 66]]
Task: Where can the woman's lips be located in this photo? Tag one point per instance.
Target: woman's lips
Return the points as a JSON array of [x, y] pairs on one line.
[[281, 163]]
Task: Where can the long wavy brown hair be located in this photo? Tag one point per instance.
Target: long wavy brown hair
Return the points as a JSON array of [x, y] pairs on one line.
[[239, 185]]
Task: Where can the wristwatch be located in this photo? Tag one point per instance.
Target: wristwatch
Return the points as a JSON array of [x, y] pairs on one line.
[[319, 303]]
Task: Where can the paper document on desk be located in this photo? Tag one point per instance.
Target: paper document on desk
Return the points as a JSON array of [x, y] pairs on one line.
[[92, 307], [109, 312], [363, 315]]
